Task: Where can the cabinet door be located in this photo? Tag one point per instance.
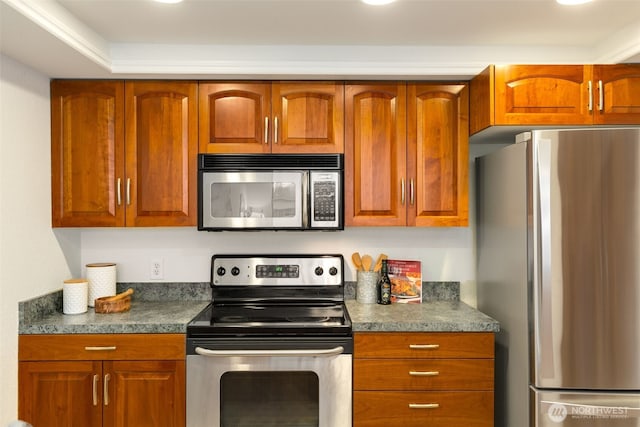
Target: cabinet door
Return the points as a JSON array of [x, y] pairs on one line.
[[234, 117], [307, 117], [60, 394], [618, 94], [161, 153], [144, 394], [375, 154], [542, 95], [438, 151], [87, 153]]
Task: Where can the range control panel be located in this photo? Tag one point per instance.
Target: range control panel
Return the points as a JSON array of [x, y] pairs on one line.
[[277, 270]]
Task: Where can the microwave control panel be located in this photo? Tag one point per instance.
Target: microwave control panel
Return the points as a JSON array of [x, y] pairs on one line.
[[325, 188]]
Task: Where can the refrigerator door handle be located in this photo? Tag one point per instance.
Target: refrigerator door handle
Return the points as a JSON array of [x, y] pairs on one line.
[[542, 282]]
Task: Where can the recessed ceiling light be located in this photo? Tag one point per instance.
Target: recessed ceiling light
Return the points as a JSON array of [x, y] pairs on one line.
[[168, 1], [378, 2], [572, 2]]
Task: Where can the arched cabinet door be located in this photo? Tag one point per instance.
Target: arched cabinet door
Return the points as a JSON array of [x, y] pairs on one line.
[[438, 152], [375, 154]]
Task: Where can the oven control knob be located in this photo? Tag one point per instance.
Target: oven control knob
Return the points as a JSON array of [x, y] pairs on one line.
[[235, 271], [333, 271], [319, 271], [221, 271]]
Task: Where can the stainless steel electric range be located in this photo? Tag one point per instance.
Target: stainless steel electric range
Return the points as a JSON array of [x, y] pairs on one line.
[[274, 347]]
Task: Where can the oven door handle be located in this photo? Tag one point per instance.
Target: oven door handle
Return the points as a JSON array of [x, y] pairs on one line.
[[270, 353]]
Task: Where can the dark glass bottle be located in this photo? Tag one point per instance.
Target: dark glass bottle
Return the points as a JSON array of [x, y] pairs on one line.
[[384, 285]]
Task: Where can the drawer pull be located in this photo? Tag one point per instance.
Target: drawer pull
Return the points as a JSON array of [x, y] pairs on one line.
[[424, 346], [95, 389], [424, 373], [106, 348], [424, 405]]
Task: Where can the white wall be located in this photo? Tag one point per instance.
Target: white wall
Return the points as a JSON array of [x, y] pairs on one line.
[[32, 262]]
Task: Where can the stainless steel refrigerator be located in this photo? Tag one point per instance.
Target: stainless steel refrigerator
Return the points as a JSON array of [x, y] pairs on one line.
[[558, 234]]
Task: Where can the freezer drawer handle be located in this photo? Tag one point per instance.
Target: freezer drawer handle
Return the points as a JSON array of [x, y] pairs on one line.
[[269, 353], [424, 405], [424, 346], [424, 373]]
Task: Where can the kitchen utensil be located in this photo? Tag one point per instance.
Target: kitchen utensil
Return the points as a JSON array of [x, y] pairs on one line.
[[367, 261], [357, 261], [378, 265], [114, 304]]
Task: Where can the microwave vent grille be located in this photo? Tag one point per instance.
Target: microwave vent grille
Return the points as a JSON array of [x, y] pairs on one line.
[[270, 161]]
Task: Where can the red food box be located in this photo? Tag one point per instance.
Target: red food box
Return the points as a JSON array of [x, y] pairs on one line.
[[406, 281]]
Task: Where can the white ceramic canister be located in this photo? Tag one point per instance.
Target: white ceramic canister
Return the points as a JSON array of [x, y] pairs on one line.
[[102, 280], [74, 296]]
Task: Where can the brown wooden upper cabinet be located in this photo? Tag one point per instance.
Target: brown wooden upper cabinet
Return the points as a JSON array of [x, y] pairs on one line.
[[555, 95], [123, 154], [406, 154], [271, 117]]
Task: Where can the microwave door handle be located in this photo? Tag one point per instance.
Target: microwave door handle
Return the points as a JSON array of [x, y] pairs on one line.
[[270, 353]]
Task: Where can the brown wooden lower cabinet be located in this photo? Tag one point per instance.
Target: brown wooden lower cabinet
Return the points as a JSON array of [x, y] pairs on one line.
[[423, 379], [102, 380]]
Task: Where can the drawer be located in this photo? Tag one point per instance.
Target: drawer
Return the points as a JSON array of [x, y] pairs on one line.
[[434, 409], [412, 374], [427, 345], [102, 347]]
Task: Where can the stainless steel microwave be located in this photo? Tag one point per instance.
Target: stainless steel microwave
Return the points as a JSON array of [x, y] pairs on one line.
[[270, 192]]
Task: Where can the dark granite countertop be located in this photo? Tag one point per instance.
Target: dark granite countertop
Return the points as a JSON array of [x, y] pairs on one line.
[[430, 316], [155, 308], [168, 307]]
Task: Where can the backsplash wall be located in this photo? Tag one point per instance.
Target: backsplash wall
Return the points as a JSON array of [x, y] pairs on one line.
[[447, 254]]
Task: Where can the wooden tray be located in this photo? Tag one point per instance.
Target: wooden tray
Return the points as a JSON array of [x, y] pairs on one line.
[[115, 304]]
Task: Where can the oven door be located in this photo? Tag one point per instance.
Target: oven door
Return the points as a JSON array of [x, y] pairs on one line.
[[253, 200], [262, 388]]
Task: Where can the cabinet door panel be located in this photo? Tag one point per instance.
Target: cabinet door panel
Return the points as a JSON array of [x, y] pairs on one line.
[[438, 155], [60, 394], [145, 394], [375, 154], [618, 95], [87, 153], [161, 141], [232, 117], [542, 95], [308, 117]]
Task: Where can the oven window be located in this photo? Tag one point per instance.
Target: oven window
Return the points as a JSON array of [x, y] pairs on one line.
[[269, 399]]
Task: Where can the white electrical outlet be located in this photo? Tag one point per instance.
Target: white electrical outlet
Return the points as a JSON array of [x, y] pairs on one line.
[[156, 269]]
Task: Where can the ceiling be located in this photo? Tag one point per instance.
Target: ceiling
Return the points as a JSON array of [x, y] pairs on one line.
[[311, 38]]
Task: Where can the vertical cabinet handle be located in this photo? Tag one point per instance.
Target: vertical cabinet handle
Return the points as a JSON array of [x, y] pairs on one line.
[[590, 89], [266, 130], [128, 191], [275, 130], [402, 191], [412, 198], [96, 378], [118, 192], [107, 377], [600, 96]]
